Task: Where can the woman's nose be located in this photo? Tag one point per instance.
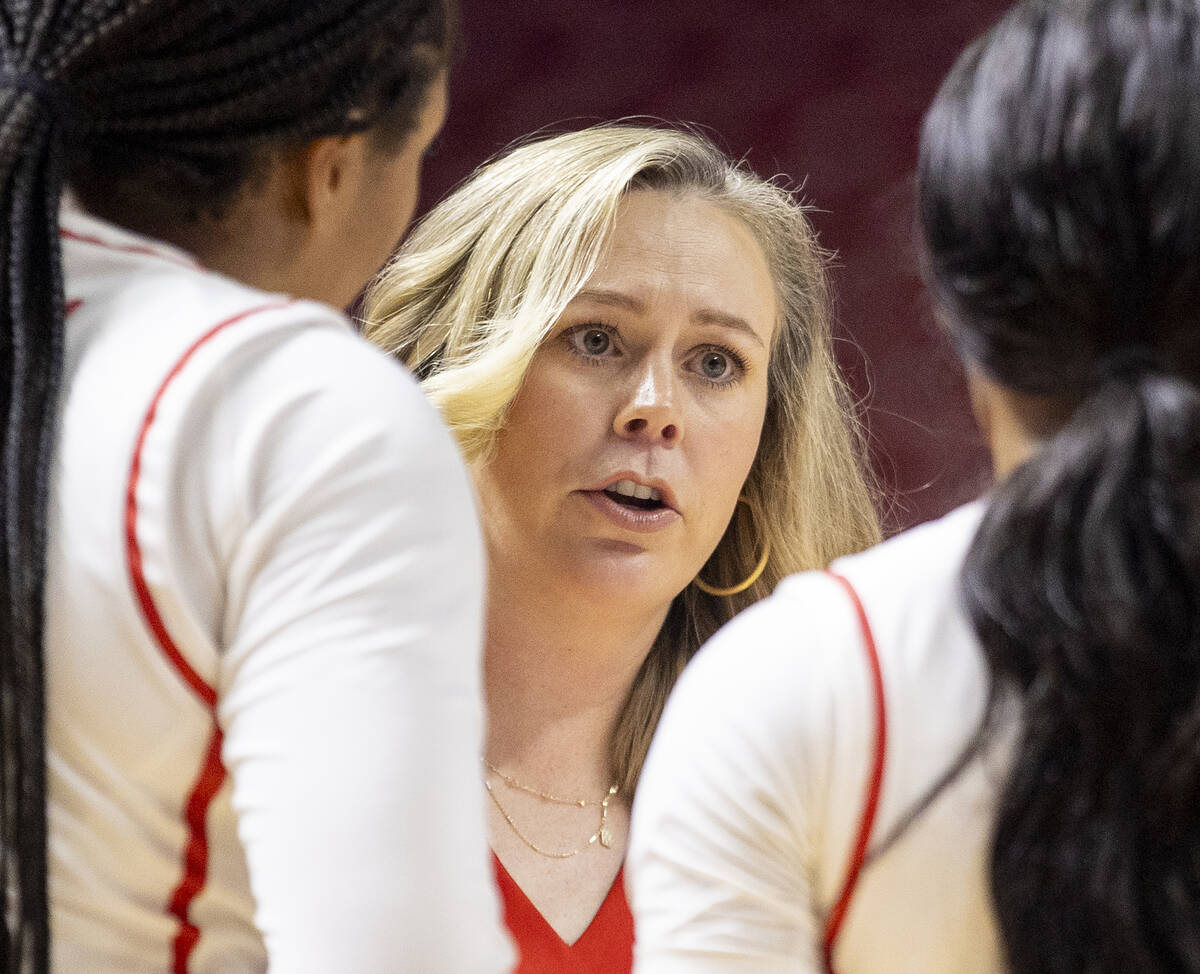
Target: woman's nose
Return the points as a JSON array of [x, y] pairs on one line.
[[651, 413]]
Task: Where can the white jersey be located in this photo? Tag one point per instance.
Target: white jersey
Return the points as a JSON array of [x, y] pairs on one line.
[[749, 820], [263, 628]]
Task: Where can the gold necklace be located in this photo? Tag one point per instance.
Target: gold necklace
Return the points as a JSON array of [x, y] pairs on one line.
[[603, 834], [546, 796]]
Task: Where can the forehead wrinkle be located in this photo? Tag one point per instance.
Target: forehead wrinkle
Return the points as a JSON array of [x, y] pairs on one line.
[[676, 251]]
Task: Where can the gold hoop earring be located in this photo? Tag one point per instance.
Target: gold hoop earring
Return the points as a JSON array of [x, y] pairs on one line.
[[749, 579]]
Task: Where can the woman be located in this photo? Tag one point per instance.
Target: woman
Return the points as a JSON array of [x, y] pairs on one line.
[[821, 792], [241, 564], [629, 335]]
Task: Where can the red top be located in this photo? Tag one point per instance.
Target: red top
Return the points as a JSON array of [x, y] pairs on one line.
[[605, 947]]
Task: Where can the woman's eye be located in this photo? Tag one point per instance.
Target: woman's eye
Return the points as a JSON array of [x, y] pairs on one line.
[[715, 366], [593, 341]]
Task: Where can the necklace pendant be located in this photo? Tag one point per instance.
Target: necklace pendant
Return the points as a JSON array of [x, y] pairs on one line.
[[606, 838]]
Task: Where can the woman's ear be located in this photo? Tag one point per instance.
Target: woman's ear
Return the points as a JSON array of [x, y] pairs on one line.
[[323, 180]]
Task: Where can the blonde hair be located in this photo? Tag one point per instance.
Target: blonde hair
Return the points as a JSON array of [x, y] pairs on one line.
[[488, 272]]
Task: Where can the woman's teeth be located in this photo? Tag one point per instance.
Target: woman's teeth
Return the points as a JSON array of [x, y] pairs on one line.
[[627, 488]]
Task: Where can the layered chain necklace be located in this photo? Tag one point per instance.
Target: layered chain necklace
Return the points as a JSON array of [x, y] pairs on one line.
[[602, 835]]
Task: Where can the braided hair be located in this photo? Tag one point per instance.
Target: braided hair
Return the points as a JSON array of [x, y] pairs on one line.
[[1060, 205], [151, 110]]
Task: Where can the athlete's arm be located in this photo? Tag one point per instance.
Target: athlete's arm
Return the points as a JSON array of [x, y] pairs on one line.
[[722, 866], [350, 683]]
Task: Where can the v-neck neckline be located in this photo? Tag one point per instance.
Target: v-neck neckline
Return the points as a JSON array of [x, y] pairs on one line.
[[612, 917]]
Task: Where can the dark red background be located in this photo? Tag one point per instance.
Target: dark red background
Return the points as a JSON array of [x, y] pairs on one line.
[[829, 92]]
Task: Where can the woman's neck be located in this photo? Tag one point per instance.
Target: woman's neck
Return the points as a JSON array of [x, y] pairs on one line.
[[557, 672]]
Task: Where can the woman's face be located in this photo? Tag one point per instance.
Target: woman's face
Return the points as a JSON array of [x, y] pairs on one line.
[[652, 384]]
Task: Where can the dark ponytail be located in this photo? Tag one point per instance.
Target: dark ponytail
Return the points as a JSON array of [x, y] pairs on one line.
[[1060, 199], [158, 109], [1083, 584]]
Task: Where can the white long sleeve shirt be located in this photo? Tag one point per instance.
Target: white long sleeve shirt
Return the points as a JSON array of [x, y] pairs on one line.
[[263, 629], [750, 805]]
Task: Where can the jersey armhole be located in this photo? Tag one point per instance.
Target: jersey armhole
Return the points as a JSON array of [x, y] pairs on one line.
[[858, 852]]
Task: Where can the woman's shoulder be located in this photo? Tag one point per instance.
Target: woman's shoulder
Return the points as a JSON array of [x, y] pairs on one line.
[[781, 706], [800, 652], [914, 565], [152, 303], [168, 320]]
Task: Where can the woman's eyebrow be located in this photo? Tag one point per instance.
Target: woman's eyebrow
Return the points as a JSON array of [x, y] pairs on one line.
[[605, 296], [710, 316], [705, 316]]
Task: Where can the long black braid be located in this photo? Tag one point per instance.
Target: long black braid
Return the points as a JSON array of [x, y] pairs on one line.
[[151, 110]]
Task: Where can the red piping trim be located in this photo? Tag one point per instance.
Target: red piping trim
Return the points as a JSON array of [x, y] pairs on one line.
[[195, 853], [142, 251], [141, 589], [212, 773], [858, 854], [72, 307]]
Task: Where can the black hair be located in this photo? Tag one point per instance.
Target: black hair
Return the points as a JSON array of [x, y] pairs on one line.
[[1060, 208], [152, 110]]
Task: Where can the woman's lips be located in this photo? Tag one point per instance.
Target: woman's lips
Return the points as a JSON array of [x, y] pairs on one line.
[[631, 518]]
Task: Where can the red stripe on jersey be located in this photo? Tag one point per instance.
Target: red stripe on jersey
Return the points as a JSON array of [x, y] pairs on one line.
[[72, 307], [195, 853], [127, 248], [212, 773], [858, 854], [133, 549]]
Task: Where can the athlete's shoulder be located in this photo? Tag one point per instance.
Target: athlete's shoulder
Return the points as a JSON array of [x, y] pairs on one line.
[[120, 274], [916, 564], [153, 306], [807, 630], [782, 660]]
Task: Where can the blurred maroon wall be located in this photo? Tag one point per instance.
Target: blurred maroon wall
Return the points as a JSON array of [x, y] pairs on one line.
[[829, 92]]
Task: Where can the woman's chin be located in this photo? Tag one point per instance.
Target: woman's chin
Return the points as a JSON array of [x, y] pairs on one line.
[[620, 575]]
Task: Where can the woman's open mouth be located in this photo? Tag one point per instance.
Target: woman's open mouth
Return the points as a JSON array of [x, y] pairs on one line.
[[633, 506], [629, 494]]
